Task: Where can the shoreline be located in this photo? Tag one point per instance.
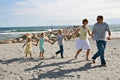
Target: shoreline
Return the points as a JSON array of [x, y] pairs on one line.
[[22, 35]]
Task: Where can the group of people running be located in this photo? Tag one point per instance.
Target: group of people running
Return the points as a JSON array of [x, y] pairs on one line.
[[98, 34]]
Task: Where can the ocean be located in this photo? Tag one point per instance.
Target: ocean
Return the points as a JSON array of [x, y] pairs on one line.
[[14, 32]]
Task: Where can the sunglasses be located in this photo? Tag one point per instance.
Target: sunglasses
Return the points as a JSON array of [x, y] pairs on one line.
[[98, 19]]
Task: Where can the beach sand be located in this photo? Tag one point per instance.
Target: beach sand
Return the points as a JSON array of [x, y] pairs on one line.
[[14, 66]]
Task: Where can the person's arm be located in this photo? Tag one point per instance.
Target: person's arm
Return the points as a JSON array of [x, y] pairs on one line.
[[33, 44], [37, 42], [46, 39], [23, 45], [65, 37], [109, 31], [89, 33], [109, 35], [54, 41], [93, 31], [92, 34], [49, 41], [76, 31]]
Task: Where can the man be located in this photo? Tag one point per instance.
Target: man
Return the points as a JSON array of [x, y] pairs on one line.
[[98, 34]]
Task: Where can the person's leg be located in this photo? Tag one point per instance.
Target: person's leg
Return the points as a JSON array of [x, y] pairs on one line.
[[41, 51], [58, 51], [61, 51], [103, 62], [30, 55], [42, 54], [97, 54], [87, 54], [25, 54], [78, 51], [40, 47]]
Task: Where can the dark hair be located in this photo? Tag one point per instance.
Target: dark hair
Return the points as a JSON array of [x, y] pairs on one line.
[[84, 20], [101, 17]]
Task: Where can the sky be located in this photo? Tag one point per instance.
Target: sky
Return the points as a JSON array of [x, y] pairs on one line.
[[57, 12]]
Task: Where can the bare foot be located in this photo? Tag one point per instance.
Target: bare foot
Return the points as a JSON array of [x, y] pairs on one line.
[[87, 59], [56, 54], [75, 56], [25, 55], [42, 57], [31, 58], [39, 56]]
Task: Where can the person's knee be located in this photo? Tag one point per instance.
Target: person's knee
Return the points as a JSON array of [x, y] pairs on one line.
[[88, 50], [101, 50], [79, 50]]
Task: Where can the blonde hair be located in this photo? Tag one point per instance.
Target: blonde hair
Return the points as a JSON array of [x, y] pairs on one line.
[[60, 31], [28, 39]]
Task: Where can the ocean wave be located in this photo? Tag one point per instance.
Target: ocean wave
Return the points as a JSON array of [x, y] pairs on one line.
[[9, 31]]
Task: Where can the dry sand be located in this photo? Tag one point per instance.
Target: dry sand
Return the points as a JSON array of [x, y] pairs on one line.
[[14, 66]]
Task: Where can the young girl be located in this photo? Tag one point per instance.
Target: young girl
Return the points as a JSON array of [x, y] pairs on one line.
[[28, 49], [41, 44], [83, 42], [60, 38]]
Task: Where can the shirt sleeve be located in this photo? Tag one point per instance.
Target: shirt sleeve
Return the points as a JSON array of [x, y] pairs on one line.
[[88, 28], [80, 28], [107, 27], [63, 35]]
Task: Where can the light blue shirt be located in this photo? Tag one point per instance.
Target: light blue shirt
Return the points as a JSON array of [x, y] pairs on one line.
[[100, 30], [60, 39]]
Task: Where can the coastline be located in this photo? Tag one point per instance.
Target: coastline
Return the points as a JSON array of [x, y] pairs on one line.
[[21, 37]]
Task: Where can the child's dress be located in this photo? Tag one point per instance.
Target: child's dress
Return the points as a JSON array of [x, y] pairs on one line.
[[28, 48], [41, 44]]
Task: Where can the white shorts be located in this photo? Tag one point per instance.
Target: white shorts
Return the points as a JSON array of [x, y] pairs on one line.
[[82, 44]]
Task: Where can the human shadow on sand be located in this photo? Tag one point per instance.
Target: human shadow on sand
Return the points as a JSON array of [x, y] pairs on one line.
[[63, 73], [19, 60], [22, 60], [48, 65]]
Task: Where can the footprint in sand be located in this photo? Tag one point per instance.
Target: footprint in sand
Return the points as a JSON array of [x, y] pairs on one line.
[[1, 60], [78, 76]]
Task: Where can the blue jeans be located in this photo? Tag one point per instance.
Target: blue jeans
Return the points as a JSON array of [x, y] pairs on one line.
[[101, 45], [60, 51]]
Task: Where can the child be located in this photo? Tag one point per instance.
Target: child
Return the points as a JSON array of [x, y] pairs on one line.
[[83, 42], [28, 49], [41, 44], [60, 38]]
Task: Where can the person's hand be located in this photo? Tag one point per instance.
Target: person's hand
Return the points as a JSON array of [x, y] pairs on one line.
[[109, 38], [35, 44], [52, 43], [91, 36]]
